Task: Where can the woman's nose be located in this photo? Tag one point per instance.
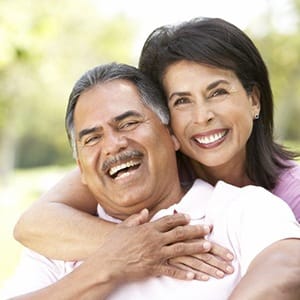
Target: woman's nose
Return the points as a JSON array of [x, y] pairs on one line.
[[202, 114]]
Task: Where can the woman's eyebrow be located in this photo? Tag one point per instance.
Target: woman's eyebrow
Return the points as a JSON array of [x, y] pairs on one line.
[[178, 94], [216, 83], [209, 87]]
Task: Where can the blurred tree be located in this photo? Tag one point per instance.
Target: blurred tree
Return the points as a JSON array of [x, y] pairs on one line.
[[45, 47], [281, 51]]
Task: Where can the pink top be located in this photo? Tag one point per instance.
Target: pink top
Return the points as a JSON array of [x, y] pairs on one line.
[[288, 188]]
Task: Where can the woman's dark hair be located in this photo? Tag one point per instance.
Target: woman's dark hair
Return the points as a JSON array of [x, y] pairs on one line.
[[215, 42]]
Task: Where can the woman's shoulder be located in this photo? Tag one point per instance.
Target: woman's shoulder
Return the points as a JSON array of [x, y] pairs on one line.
[[290, 175], [288, 187]]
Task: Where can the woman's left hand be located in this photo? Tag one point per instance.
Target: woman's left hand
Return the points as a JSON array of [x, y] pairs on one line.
[[215, 263]]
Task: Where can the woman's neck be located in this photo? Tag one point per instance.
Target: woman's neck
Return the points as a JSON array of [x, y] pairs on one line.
[[234, 174]]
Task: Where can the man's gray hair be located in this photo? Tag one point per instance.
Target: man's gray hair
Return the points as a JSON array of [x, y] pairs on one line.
[[150, 95]]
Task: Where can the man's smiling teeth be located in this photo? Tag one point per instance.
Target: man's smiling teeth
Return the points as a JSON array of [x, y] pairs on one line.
[[210, 138], [116, 169]]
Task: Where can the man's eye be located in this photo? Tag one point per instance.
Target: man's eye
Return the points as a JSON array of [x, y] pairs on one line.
[[129, 124], [92, 140]]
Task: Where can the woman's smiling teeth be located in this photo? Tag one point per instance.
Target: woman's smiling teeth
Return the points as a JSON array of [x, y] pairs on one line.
[[113, 172], [208, 139]]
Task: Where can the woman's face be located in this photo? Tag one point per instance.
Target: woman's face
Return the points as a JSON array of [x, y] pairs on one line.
[[211, 113]]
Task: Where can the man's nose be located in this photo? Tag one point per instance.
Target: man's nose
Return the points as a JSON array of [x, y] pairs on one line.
[[113, 143]]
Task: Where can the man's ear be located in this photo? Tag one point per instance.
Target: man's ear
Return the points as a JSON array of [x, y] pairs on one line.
[[175, 142], [81, 172], [255, 101]]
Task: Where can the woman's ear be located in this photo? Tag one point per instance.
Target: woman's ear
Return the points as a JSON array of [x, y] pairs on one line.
[[255, 101], [175, 142]]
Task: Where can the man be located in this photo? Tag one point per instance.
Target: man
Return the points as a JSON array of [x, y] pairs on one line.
[[118, 127]]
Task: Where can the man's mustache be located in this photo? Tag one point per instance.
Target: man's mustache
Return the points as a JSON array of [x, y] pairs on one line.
[[120, 158]]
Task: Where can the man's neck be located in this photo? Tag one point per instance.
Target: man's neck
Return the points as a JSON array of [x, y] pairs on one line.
[[170, 198]]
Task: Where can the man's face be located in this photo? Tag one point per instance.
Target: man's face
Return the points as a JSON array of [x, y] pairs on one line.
[[126, 155]]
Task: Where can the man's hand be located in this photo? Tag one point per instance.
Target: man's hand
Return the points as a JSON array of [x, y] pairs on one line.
[[137, 248]]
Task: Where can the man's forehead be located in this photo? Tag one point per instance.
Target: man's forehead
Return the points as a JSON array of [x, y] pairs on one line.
[[116, 96], [110, 102], [115, 91]]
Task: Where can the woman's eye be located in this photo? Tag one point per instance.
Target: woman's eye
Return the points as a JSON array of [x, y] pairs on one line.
[[180, 101], [219, 92]]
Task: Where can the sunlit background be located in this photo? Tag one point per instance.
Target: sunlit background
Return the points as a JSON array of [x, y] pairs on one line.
[[47, 45]]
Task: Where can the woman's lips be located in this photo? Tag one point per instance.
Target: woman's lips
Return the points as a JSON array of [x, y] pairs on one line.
[[210, 139]]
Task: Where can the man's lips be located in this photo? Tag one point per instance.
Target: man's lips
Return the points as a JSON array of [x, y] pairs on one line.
[[210, 138], [122, 163], [123, 167]]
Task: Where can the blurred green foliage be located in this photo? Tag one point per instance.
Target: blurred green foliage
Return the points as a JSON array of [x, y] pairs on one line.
[[24, 187], [46, 47], [281, 52]]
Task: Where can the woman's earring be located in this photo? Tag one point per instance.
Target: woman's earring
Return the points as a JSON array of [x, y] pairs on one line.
[[256, 116]]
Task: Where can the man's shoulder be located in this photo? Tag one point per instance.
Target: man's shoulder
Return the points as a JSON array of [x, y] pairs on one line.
[[249, 197]]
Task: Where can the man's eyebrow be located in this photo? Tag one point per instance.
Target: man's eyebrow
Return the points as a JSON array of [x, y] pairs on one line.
[[86, 131], [126, 114]]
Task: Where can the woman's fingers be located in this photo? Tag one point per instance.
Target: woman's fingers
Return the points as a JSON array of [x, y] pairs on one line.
[[201, 264], [221, 252], [175, 249], [175, 272]]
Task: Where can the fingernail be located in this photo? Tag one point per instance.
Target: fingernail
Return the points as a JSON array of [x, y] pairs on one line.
[[190, 275], [206, 245], [204, 277], [187, 217], [229, 256], [229, 269], [220, 274], [206, 228]]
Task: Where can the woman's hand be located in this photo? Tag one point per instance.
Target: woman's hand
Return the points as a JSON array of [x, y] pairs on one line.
[[216, 262]]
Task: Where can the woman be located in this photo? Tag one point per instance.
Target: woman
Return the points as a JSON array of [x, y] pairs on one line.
[[179, 58], [220, 100]]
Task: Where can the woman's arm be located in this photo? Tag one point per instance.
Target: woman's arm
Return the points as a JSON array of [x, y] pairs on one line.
[[62, 225], [135, 258]]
